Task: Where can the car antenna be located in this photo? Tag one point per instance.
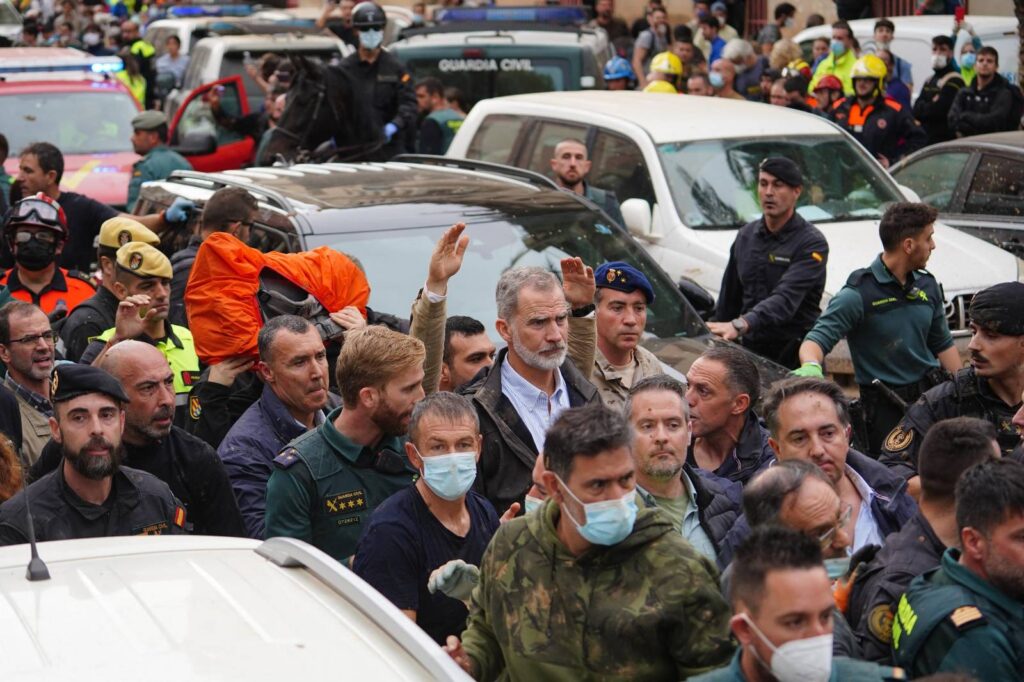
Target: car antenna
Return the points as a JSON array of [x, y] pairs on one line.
[[37, 569]]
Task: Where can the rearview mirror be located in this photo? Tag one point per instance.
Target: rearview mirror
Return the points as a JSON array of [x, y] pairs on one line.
[[699, 297], [636, 214], [197, 143]]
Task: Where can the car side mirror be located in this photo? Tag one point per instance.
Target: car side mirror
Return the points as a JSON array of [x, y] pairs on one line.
[[636, 214], [909, 194], [197, 143], [699, 297]]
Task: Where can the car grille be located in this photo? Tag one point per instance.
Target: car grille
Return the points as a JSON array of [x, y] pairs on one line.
[[956, 312]]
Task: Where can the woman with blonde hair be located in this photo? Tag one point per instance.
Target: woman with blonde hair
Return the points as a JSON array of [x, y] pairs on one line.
[[783, 52]]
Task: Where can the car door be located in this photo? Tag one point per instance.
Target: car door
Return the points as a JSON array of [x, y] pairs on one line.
[[994, 202], [617, 164], [194, 124]]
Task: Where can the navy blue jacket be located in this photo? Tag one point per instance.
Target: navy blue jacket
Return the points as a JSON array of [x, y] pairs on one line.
[[892, 506], [751, 456], [248, 451], [720, 508]]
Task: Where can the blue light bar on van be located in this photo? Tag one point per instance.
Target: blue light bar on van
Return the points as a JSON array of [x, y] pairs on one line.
[[185, 11], [85, 65], [544, 15]]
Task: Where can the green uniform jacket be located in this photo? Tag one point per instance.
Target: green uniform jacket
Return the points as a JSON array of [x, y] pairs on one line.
[[950, 620], [156, 165], [647, 608], [324, 488], [843, 670]]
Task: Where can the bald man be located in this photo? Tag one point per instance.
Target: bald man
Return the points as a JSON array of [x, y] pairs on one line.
[[153, 444]]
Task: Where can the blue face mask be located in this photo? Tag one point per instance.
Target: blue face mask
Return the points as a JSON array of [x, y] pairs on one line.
[[837, 568], [371, 38], [716, 80], [837, 47], [608, 522], [531, 503], [968, 60], [450, 476]]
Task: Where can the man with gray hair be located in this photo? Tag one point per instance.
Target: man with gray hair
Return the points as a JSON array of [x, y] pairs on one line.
[[532, 380], [293, 367], [749, 67]]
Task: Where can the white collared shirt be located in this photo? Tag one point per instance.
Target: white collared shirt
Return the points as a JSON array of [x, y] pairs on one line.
[[866, 531], [534, 406]]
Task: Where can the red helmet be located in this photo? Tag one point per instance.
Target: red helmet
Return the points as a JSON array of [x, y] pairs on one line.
[[829, 82], [37, 211]]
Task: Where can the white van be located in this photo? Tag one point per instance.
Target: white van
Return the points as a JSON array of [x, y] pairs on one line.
[[685, 171]]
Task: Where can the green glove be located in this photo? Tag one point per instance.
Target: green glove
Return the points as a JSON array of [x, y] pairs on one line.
[[455, 579], [809, 369]]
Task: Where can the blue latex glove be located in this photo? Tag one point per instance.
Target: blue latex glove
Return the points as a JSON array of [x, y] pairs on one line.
[[179, 211], [389, 131]]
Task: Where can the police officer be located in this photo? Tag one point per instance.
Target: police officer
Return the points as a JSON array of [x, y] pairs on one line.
[[143, 283], [882, 125], [94, 315], [328, 481], [989, 389], [149, 139], [894, 317], [967, 615], [381, 82], [90, 494], [772, 286]]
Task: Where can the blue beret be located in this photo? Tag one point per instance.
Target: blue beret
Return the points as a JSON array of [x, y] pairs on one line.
[[623, 277]]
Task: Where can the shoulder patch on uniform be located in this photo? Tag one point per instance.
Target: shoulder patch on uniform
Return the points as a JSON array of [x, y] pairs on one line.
[[179, 517], [817, 256], [966, 617], [350, 502], [898, 439], [288, 457], [880, 622], [195, 408]]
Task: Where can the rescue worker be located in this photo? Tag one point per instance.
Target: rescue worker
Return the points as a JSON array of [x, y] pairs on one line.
[[618, 74], [666, 67], [772, 285], [662, 87], [90, 494], [894, 299], [950, 448], [827, 92], [885, 128], [932, 106], [381, 81], [440, 121], [143, 283], [839, 60], [36, 231], [989, 389], [149, 140], [967, 615], [98, 313], [570, 166], [595, 554]]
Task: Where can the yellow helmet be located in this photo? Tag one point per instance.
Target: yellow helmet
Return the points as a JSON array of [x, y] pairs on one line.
[[869, 66], [667, 62], [661, 86]]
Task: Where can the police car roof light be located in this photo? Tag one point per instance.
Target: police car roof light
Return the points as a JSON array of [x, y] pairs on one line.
[[87, 63], [183, 11], [570, 15]]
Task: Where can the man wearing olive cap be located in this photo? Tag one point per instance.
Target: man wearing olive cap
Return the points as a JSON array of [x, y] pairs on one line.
[[93, 316], [143, 285], [989, 389], [149, 140], [90, 494], [772, 286]]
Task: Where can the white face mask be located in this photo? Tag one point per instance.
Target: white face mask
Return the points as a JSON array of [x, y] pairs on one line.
[[939, 61], [789, 22], [802, 660]]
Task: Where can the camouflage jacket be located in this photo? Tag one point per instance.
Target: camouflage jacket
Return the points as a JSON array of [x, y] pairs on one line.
[[647, 608]]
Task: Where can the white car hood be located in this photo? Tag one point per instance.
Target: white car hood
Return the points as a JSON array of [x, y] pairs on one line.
[[960, 262]]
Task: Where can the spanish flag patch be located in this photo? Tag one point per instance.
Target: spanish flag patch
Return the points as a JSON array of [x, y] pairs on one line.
[[817, 256], [179, 517]]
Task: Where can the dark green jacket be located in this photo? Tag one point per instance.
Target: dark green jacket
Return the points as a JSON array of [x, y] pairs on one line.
[[325, 487], [159, 163]]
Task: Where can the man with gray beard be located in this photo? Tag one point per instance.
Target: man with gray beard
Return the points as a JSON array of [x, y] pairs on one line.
[[90, 494], [532, 380], [152, 444]]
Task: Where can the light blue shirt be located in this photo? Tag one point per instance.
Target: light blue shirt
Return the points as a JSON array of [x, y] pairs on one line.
[[866, 532], [689, 526], [534, 406]]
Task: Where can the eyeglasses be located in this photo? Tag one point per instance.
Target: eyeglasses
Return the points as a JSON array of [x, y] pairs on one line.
[[45, 212], [49, 336], [844, 518], [247, 224], [24, 237]]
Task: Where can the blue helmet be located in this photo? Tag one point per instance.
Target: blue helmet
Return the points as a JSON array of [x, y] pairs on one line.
[[616, 68]]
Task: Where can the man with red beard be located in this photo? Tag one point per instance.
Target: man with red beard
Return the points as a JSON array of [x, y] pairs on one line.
[[90, 494], [327, 482], [153, 444]]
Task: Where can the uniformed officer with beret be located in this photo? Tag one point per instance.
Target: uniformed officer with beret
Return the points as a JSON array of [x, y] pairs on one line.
[[90, 494], [95, 315], [772, 286], [149, 139], [989, 389]]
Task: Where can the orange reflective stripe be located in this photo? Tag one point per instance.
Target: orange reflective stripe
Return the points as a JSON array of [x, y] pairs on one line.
[[858, 116]]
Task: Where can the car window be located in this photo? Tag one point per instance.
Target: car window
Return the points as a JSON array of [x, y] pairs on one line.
[[495, 139], [483, 78], [934, 177], [618, 164], [198, 116], [102, 121], [545, 137], [8, 15], [997, 187], [196, 64], [157, 37]]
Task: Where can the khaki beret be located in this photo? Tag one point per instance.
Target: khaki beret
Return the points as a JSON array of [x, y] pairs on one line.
[[143, 260], [118, 231], [149, 120]]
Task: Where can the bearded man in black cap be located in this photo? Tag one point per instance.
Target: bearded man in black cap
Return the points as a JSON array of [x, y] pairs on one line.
[[989, 389], [772, 286], [90, 494]]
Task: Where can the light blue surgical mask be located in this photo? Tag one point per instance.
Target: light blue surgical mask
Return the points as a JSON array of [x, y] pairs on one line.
[[608, 522], [837, 47], [450, 476], [968, 60], [837, 568], [531, 503], [716, 80], [371, 38]]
